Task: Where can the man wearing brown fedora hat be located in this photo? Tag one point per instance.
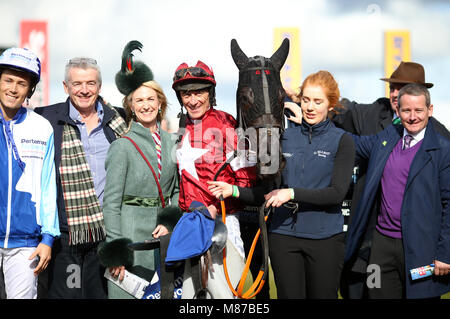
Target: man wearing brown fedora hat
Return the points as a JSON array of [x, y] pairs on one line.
[[368, 119]]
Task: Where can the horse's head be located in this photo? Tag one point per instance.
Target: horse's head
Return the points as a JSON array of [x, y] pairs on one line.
[[260, 98]]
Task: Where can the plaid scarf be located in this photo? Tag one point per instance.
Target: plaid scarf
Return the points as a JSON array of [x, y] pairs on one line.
[[84, 213]]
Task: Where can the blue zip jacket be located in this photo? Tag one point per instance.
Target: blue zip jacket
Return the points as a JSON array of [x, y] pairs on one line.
[[28, 213]]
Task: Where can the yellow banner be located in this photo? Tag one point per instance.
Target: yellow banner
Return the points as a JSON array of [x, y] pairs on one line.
[[397, 48], [291, 71]]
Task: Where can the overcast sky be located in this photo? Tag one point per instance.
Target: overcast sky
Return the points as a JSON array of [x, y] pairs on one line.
[[342, 36]]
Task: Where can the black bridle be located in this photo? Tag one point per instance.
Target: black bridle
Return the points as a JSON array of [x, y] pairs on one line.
[[267, 106]]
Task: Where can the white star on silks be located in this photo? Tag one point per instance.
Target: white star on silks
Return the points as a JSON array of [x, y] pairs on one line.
[[187, 155]]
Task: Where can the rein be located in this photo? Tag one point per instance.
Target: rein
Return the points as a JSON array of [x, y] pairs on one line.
[[260, 280]]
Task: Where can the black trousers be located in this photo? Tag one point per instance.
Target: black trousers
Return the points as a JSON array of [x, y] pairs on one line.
[[306, 268], [75, 272], [388, 254]]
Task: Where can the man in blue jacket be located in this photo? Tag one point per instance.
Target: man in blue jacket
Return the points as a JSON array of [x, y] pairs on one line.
[[28, 213], [408, 178], [367, 119]]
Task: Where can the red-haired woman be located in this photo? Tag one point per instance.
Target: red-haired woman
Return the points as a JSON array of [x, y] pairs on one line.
[[306, 245]]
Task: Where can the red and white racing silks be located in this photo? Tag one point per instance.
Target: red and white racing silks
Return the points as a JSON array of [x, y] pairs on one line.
[[204, 148]]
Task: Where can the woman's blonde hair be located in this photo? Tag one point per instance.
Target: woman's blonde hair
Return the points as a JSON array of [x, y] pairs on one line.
[[127, 100]]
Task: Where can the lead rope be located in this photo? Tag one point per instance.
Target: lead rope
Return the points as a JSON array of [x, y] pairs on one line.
[[261, 277]]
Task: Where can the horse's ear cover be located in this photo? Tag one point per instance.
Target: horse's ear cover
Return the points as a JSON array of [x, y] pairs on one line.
[[280, 56], [239, 57], [132, 73], [116, 253]]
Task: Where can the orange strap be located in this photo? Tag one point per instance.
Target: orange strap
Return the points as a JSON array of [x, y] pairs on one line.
[[258, 282]]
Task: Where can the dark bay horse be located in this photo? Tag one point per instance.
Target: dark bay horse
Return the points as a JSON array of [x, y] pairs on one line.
[[259, 102], [260, 114]]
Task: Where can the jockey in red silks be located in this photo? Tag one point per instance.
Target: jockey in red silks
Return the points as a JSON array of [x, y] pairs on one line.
[[207, 139]]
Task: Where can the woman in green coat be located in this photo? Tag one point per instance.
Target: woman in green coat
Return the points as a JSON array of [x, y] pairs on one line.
[[132, 203]]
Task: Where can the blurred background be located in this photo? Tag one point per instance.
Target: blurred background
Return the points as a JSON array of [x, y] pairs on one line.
[[349, 38]]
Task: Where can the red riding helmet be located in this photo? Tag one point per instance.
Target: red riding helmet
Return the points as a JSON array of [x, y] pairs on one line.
[[188, 78], [193, 77]]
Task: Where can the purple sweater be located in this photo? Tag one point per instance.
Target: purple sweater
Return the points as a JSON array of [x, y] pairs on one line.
[[393, 182]]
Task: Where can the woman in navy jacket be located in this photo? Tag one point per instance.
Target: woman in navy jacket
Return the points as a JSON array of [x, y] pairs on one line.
[[306, 245]]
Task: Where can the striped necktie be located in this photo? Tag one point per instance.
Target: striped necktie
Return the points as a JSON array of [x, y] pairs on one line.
[[157, 139], [408, 138]]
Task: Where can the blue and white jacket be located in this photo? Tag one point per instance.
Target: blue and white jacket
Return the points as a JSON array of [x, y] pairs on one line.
[[28, 212]]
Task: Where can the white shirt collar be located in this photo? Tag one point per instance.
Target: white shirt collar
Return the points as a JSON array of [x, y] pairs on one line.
[[416, 137]]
